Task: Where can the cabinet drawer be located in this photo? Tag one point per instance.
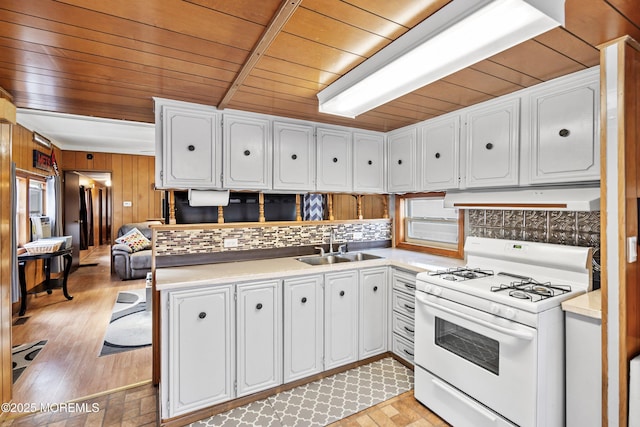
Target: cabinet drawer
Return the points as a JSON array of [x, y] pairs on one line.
[[403, 326], [403, 348], [402, 303], [404, 282]]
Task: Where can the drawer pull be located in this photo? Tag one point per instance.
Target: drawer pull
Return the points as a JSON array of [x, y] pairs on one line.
[[304, 300], [410, 286], [202, 315], [409, 307], [341, 293], [408, 352], [259, 306], [408, 329]]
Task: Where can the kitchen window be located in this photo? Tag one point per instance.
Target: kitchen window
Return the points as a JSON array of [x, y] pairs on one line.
[[423, 224]]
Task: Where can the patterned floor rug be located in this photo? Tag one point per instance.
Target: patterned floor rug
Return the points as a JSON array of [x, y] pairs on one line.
[[322, 402], [130, 324], [22, 356]]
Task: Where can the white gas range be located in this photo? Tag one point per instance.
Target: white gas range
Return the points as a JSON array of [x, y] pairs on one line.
[[489, 346]]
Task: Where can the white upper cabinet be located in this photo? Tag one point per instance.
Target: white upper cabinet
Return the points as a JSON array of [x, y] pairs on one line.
[[564, 130], [402, 160], [247, 152], [188, 145], [334, 173], [492, 137], [294, 157], [368, 162], [439, 148]]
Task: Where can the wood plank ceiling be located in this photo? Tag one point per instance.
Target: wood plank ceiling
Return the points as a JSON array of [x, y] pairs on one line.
[[107, 59]]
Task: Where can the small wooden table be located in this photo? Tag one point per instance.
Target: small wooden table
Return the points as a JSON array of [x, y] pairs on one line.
[[47, 257]]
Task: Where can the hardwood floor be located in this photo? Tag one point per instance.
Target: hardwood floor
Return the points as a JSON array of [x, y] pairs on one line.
[[68, 368]]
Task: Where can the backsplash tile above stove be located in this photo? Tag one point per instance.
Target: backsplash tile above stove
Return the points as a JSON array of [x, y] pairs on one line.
[[561, 227]]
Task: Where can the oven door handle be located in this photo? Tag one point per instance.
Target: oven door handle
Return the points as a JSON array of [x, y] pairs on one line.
[[517, 334], [456, 394]]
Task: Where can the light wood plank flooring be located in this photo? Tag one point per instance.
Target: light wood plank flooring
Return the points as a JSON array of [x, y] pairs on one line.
[[68, 367]]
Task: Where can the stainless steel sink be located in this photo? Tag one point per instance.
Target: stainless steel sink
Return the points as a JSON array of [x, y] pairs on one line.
[[332, 259], [323, 260], [359, 256]]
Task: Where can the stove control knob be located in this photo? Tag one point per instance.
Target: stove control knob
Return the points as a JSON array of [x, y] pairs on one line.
[[494, 308], [509, 313], [428, 288], [437, 290]]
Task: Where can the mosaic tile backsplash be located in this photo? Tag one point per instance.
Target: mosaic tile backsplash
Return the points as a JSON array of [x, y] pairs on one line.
[[210, 239], [561, 227]]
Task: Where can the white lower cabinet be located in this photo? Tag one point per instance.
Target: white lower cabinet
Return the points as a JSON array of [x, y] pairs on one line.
[[372, 333], [303, 327], [340, 318], [201, 332], [259, 336]]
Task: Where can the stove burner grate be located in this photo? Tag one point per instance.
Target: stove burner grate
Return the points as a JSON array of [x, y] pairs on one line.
[[461, 273], [532, 290]]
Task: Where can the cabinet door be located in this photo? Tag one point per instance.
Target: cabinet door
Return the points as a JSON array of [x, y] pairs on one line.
[[373, 310], [440, 154], [402, 161], [191, 148], [247, 153], [334, 160], [303, 327], [564, 139], [368, 163], [340, 318], [493, 144], [259, 336], [200, 365], [294, 161]]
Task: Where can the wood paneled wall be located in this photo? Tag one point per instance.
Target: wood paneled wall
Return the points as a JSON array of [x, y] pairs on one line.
[[620, 196], [345, 206], [23, 146], [6, 220], [132, 180]]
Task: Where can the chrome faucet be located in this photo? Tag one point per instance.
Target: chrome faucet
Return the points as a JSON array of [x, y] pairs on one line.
[[331, 240]]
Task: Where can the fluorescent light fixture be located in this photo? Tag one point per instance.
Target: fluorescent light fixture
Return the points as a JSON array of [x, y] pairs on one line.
[[458, 35], [41, 140]]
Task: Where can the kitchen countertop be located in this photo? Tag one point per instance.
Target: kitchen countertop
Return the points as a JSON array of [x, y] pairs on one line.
[[171, 278], [588, 304]]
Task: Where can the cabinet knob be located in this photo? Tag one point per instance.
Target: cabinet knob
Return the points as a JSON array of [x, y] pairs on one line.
[[259, 306], [341, 293], [564, 133], [191, 148], [335, 160], [400, 161], [489, 145], [294, 156], [247, 152], [202, 315], [304, 300], [375, 289], [437, 155], [370, 162]]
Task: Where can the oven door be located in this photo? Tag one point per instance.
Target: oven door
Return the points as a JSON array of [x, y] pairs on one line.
[[491, 359]]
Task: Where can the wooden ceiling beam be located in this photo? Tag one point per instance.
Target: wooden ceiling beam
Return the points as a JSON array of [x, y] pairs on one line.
[[279, 20]]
